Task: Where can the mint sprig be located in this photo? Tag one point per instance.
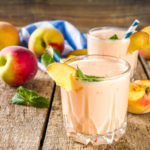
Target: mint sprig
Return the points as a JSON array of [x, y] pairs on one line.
[[46, 59], [114, 37], [88, 78], [23, 96]]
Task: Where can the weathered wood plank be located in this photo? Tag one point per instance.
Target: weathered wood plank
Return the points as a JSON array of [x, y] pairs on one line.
[[146, 65], [81, 13], [137, 131], [77, 2], [21, 127]]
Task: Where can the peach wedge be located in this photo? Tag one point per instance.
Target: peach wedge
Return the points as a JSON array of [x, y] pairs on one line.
[[78, 52], [139, 97], [62, 74], [138, 40]]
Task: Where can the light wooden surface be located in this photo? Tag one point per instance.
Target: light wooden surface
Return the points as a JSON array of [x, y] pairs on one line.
[[22, 127], [146, 65], [137, 131], [81, 13]]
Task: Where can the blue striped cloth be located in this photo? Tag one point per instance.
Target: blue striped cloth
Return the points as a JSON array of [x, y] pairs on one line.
[[74, 39]]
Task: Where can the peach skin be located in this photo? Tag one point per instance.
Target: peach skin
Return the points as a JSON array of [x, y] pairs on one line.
[[42, 37], [9, 35], [139, 97], [145, 52], [18, 65]]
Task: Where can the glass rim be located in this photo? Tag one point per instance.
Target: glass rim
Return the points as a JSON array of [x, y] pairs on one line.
[[106, 78], [106, 28]]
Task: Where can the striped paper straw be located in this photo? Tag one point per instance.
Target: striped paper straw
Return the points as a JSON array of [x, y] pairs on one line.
[[53, 54], [131, 29]]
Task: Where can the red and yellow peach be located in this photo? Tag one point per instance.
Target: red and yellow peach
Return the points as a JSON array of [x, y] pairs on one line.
[[43, 37], [145, 52], [18, 65]]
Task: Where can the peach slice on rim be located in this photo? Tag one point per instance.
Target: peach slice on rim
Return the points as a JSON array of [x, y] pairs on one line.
[[138, 40], [62, 74], [139, 97]]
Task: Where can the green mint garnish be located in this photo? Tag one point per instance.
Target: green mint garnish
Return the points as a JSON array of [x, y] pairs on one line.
[[23, 96], [88, 78], [114, 37], [46, 59], [39, 101]]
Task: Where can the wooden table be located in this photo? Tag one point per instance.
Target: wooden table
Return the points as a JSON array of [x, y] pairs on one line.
[[29, 128]]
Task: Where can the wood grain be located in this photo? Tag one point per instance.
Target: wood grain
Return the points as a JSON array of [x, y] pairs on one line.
[[81, 13], [146, 65], [137, 131], [21, 127]]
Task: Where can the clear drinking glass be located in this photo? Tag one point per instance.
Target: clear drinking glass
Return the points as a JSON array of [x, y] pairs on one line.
[[99, 43], [95, 110]]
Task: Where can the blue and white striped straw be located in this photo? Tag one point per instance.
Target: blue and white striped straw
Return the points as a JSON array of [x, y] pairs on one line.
[[131, 29], [53, 54]]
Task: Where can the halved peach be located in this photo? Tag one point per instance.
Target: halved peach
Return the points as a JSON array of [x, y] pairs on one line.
[[139, 97], [138, 40], [78, 52], [62, 74]]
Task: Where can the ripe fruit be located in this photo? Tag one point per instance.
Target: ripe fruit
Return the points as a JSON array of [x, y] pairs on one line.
[[9, 35], [138, 40], [62, 74], [42, 37], [145, 52], [139, 97], [78, 52], [18, 65]]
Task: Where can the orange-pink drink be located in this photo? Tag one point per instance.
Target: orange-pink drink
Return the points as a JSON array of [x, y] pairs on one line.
[[95, 109], [99, 43]]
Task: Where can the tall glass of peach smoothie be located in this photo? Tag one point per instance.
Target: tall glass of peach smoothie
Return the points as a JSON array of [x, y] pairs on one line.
[[99, 43], [95, 110]]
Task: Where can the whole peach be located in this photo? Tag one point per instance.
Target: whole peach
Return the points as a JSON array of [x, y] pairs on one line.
[[18, 65], [145, 52], [9, 35], [43, 37]]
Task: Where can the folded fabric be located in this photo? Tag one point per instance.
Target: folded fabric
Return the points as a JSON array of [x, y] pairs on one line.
[[74, 39]]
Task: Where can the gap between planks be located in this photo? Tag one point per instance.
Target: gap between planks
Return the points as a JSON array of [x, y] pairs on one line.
[[47, 119]]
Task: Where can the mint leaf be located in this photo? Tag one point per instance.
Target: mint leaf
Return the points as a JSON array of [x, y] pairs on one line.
[[39, 101], [23, 96], [92, 76], [114, 37], [46, 59], [88, 78], [18, 99], [80, 73], [26, 93]]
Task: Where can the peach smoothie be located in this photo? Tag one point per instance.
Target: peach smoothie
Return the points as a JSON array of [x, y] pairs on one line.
[[97, 107], [99, 43]]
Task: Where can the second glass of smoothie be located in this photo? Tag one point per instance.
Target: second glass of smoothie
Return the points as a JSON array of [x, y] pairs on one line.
[[99, 43]]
